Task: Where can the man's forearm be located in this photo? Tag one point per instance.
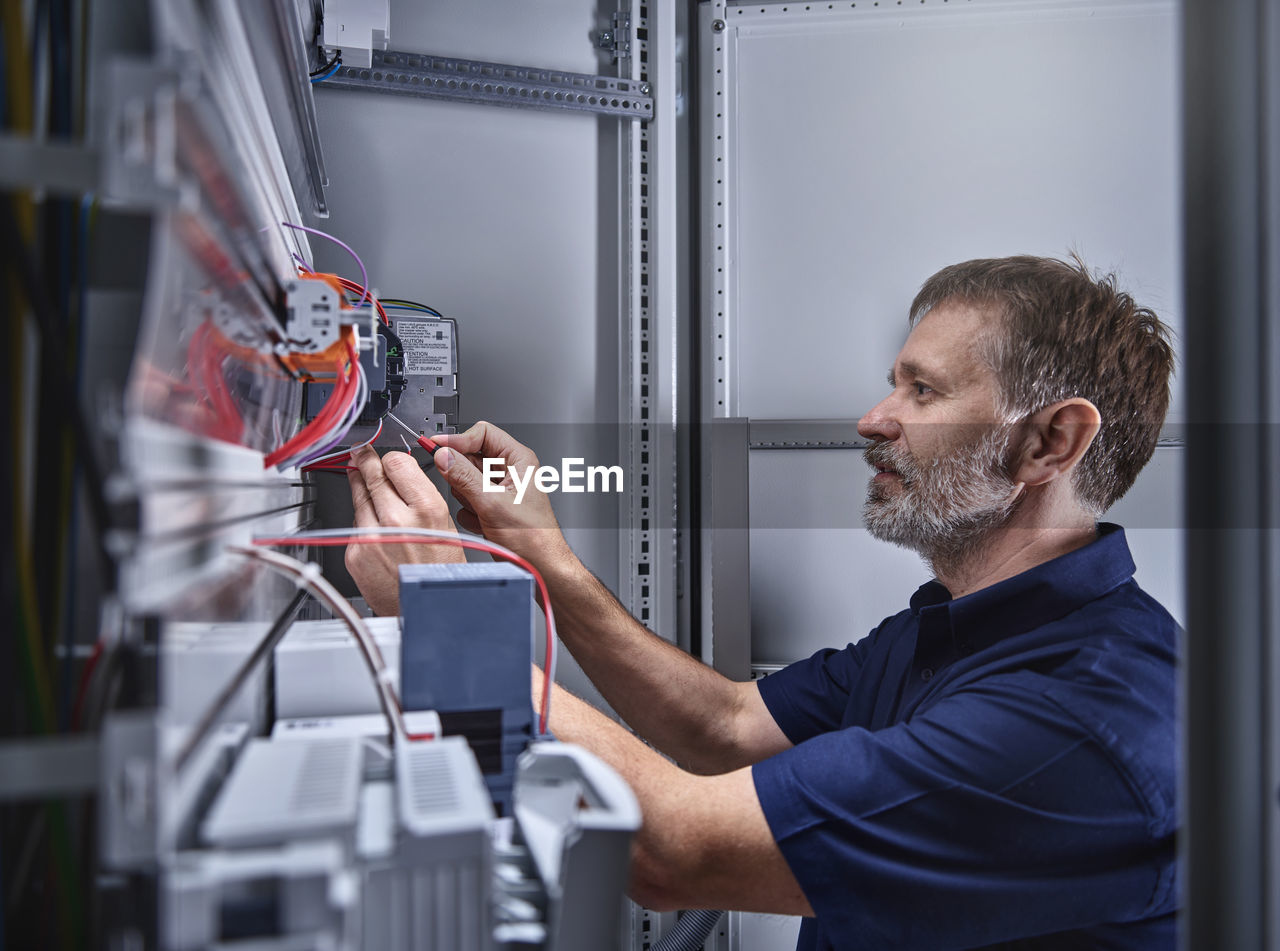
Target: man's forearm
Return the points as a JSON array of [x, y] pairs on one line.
[[674, 701], [698, 832]]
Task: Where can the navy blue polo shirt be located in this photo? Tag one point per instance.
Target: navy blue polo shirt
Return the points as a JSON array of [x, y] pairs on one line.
[[996, 770]]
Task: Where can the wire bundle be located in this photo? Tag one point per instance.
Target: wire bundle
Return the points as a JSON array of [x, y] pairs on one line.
[[334, 421], [397, 303], [313, 446]]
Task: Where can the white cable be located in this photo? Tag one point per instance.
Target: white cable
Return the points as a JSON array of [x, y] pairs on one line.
[[350, 449], [307, 575]]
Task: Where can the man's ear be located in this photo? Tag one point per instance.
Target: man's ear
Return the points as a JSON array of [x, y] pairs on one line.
[[1055, 439]]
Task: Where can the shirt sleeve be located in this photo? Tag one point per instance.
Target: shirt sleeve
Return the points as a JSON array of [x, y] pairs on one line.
[[991, 816], [810, 696]]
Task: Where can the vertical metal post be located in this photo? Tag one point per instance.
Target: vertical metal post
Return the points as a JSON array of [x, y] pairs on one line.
[[652, 338], [726, 547], [1229, 801]]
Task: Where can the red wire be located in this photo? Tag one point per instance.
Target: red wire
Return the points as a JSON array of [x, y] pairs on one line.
[[462, 542], [204, 363], [333, 462], [337, 403], [82, 689]]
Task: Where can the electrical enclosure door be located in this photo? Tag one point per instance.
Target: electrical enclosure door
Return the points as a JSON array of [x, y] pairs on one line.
[[851, 150]]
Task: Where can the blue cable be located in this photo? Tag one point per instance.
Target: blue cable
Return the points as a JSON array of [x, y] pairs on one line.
[[323, 76]]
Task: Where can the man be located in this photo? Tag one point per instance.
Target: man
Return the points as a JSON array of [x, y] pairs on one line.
[[993, 766]]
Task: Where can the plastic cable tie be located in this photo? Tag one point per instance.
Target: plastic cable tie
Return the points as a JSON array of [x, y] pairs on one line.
[[311, 573]]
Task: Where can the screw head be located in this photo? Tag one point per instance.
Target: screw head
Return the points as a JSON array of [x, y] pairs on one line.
[[644, 89], [717, 26]]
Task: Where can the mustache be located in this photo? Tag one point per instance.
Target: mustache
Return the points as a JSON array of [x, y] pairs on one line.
[[881, 455]]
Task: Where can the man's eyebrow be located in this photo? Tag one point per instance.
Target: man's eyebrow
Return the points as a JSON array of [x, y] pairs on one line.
[[915, 371]]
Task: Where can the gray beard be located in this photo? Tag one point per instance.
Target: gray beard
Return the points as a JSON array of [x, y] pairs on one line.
[[947, 508]]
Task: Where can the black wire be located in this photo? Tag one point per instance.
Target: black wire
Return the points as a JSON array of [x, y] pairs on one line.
[[337, 58]]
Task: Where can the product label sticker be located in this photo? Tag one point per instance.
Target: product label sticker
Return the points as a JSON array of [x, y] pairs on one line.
[[428, 346]]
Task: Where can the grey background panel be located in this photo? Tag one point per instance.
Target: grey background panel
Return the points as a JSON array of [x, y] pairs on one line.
[[818, 579], [506, 220], [873, 147]]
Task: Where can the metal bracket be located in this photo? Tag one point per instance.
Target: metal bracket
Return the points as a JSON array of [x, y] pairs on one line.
[[617, 40], [496, 84]]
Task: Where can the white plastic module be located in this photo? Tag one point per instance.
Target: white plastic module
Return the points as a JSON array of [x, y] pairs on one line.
[[439, 788], [280, 792], [433, 893], [313, 315], [319, 670], [356, 28]]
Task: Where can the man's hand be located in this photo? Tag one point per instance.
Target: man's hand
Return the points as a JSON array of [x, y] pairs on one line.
[[527, 527], [393, 492]]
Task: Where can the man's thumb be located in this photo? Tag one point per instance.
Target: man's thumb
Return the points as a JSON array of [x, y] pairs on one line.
[[458, 471]]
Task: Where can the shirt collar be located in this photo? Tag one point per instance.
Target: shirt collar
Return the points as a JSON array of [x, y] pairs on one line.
[[1037, 596]]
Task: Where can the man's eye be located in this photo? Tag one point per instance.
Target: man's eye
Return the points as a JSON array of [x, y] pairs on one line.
[[923, 389]]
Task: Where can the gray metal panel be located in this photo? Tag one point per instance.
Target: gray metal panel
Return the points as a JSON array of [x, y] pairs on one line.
[[817, 578], [865, 148], [726, 547]]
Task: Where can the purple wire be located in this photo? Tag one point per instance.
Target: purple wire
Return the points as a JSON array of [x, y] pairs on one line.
[[364, 275], [301, 261]]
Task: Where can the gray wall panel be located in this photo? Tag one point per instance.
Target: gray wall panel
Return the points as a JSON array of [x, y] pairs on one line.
[[874, 147]]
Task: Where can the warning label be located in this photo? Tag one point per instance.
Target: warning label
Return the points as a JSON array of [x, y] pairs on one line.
[[428, 346]]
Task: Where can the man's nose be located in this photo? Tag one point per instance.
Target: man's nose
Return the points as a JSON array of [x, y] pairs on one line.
[[879, 423]]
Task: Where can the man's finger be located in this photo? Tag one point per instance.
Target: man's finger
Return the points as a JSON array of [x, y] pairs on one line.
[[409, 481], [462, 476], [485, 439], [386, 501], [365, 515]]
